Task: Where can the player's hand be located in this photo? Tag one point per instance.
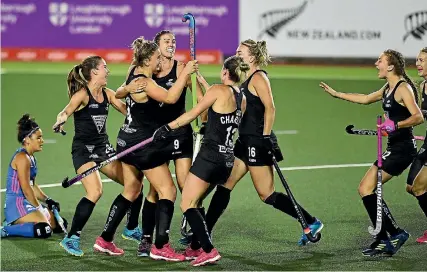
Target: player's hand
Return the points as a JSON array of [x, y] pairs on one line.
[[388, 125], [328, 89], [60, 121], [267, 142], [52, 203], [137, 85], [202, 129], [161, 133], [191, 67]]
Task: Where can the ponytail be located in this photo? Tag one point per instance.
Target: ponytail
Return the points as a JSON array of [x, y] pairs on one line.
[[76, 80], [414, 89], [80, 75]]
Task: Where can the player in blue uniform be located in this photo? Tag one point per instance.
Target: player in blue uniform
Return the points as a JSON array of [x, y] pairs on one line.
[[24, 215]]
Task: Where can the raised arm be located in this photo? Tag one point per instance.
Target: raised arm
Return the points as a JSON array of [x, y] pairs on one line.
[[75, 102], [170, 97], [135, 86], [207, 101], [364, 99], [116, 103], [262, 86]]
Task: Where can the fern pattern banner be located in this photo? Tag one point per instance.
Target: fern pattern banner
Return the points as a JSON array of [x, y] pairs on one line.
[[331, 28], [416, 25]]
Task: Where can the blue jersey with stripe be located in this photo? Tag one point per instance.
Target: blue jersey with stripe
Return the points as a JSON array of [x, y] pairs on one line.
[[13, 186]]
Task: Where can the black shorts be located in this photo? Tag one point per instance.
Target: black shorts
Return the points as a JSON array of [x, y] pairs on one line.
[[148, 157], [398, 157], [418, 163], [83, 153], [179, 146], [251, 151], [211, 166]]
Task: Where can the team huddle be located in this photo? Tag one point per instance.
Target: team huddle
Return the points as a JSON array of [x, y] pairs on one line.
[[152, 100]]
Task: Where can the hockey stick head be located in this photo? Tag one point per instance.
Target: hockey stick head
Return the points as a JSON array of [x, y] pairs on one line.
[[349, 129], [59, 219], [65, 183], [313, 238], [373, 232], [188, 17]]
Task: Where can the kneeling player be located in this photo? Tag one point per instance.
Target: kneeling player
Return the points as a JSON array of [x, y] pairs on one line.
[[24, 215]]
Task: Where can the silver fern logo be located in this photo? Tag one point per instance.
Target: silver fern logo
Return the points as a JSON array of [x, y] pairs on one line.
[[416, 25], [272, 21]]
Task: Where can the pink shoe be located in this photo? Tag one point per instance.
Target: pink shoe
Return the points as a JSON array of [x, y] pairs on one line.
[[166, 253], [206, 258], [422, 239], [107, 247], [192, 254]]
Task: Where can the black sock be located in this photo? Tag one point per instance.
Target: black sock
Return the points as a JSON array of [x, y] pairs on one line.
[[283, 203], [164, 215], [148, 218], [133, 213], [370, 202], [198, 226], [115, 216], [390, 223], [81, 216], [195, 244], [219, 203], [422, 200]]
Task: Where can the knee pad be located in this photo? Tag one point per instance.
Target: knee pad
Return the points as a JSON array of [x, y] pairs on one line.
[[42, 230]]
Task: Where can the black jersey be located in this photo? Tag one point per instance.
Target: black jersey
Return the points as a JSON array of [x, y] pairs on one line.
[[253, 120], [142, 119], [173, 110], [396, 112], [221, 127], [424, 104], [90, 122]]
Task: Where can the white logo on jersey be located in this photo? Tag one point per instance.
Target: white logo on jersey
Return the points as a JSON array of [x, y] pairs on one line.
[[94, 156], [109, 149], [170, 83], [93, 106], [99, 121], [90, 148], [121, 142]]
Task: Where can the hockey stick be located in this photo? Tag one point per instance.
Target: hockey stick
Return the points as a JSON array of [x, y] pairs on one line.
[[350, 130], [379, 221], [67, 183], [59, 219], [195, 124], [301, 217]]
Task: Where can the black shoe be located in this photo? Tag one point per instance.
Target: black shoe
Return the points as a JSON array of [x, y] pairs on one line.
[[399, 239], [380, 248], [144, 247]]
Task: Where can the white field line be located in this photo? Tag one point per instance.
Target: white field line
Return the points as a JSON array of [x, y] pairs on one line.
[[294, 168], [211, 75], [49, 141], [285, 132]]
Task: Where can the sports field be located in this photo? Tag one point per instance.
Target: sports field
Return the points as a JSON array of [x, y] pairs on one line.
[[323, 165]]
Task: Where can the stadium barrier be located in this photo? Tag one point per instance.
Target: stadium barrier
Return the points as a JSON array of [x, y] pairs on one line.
[[110, 55]]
